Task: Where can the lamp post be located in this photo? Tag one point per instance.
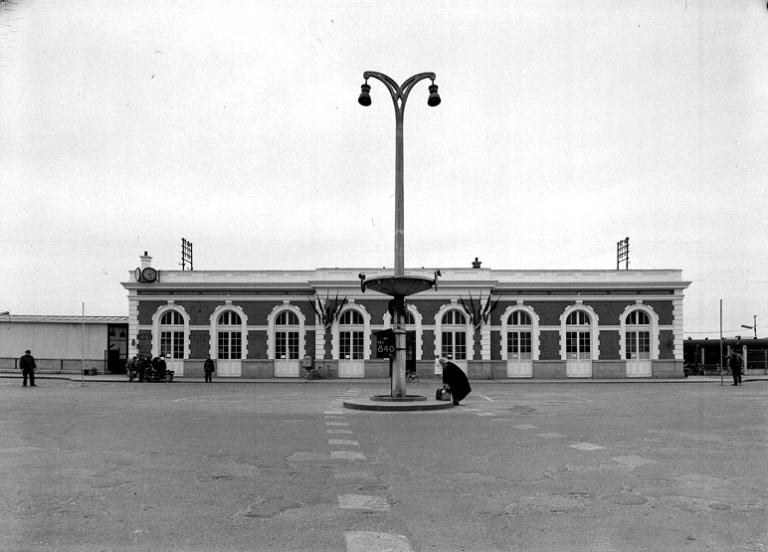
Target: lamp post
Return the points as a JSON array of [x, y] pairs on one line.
[[400, 286], [753, 326]]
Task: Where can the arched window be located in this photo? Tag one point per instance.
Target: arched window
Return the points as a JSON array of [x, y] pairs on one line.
[[519, 332], [230, 340], [287, 335], [351, 333], [638, 335], [172, 334], [454, 335], [578, 336]]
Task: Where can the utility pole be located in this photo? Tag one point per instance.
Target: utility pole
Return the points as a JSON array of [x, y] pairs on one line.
[[186, 254], [622, 253], [720, 362]]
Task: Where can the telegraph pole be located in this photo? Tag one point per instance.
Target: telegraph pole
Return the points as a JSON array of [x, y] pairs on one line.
[[186, 254], [622, 253]]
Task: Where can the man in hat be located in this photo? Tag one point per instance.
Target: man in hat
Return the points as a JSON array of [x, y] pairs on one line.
[[734, 363], [27, 365]]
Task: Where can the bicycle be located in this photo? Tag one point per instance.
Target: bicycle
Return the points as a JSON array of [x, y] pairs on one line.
[[318, 373]]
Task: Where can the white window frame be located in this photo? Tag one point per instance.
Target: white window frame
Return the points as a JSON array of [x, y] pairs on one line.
[[456, 328], [157, 328], [593, 326], [652, 327], [365, 328], [506, 327], [273, 328], [214, 331]]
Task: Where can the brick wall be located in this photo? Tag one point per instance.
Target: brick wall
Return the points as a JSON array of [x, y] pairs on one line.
[[609, 369], [549, 370], [258, 369], [667, 369]]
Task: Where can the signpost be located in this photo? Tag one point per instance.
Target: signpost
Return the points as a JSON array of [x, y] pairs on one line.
[[385, 344]]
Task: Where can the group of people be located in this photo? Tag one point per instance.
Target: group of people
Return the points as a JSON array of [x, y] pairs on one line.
[[143, 368]]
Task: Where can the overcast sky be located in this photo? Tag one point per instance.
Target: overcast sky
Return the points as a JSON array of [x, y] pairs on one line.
[[564, 127]]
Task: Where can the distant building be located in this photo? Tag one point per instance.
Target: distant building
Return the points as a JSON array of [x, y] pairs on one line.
[[546, 323], [60, 343]]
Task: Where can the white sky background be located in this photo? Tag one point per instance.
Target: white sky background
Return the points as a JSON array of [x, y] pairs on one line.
[[564, 127]]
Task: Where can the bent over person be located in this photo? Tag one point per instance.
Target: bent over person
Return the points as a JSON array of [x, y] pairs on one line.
[[456, 379], [28, 365]]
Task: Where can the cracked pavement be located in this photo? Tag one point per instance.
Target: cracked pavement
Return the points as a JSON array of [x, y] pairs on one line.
[[518, 467]]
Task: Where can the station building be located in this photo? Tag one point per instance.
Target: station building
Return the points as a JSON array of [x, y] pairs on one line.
[[495, 324]]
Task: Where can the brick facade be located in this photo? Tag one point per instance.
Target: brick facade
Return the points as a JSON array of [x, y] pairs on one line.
[[546, 349]]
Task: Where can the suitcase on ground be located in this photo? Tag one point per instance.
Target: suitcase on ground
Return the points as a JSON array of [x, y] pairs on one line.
[[443, 394]]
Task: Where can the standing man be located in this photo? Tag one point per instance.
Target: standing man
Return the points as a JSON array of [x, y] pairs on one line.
[[734, 363], [27, 365], [209, 368]]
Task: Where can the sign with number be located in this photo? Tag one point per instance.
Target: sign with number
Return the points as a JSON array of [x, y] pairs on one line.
[[385, 344]]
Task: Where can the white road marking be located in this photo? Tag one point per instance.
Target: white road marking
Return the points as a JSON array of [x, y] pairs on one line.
[[487, 398], [343, 442], [550, 435], [345, 431], [347, 474], [525, 426], [633, 461], [338, 424], [367, 541], [363, 502], [347, 455], [586, 446]]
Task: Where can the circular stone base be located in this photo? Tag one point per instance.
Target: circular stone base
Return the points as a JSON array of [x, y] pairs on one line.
[[388, 404], [390, 398]]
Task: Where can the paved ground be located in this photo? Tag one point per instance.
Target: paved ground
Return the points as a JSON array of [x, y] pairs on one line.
[[112, 466]]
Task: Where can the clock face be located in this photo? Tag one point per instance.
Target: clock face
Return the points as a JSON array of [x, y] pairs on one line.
[[149, 274], [137, 274]]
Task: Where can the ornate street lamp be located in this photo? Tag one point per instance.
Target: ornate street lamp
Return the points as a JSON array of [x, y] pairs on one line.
[[398, 286]]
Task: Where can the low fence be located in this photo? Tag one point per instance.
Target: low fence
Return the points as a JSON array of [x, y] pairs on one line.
[[61, 365], [757, 367]]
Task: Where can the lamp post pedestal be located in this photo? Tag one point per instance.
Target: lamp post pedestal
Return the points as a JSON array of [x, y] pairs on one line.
[[398, 366], [399, 287]]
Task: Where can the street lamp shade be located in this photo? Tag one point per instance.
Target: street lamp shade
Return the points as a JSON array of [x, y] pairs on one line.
[[365, 98], [434, 97]]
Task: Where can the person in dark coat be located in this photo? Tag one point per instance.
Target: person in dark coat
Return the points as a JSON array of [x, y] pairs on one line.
[[456, 380], [209, 368], [131, 368], [734, 363], [142, 365], [160, 368], [28, 365]]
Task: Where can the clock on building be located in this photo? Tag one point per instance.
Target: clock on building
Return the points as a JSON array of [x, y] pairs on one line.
[[149, 274]]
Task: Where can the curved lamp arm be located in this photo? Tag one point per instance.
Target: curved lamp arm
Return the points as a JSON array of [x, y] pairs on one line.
[[399, 93]]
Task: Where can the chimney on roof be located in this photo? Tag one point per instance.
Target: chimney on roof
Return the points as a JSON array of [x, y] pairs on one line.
[[146, 260], [476, 263]]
